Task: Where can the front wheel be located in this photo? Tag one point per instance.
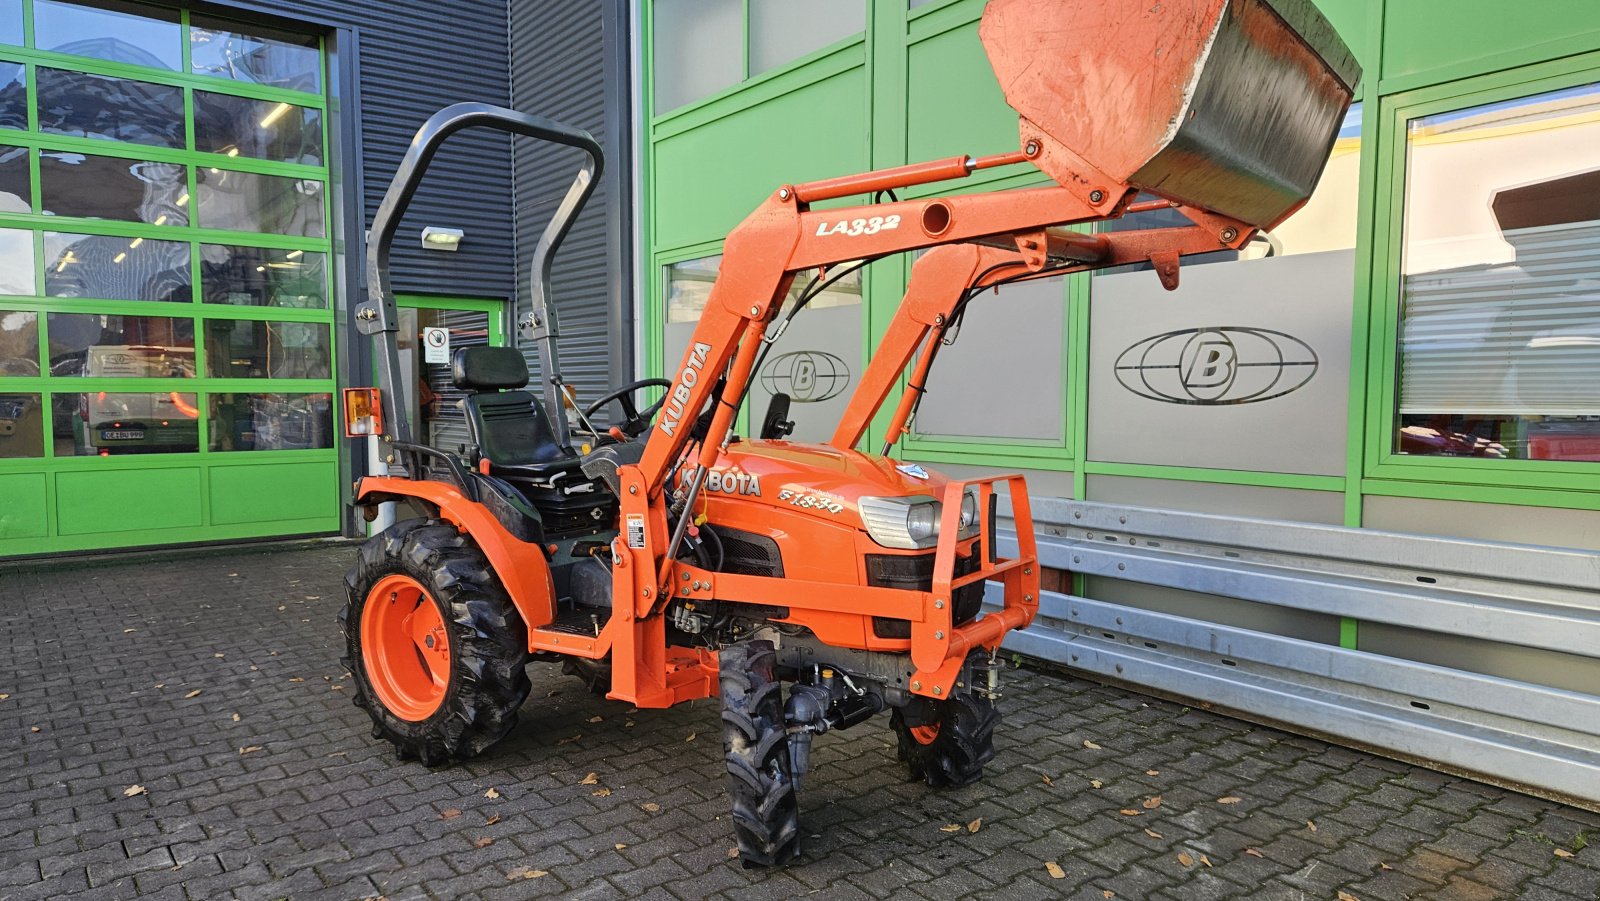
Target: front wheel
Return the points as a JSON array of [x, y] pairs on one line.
[[946, 743], [766, 817], [436, 647]]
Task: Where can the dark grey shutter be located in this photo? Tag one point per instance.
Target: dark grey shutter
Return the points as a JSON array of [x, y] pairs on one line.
[[570, 64]]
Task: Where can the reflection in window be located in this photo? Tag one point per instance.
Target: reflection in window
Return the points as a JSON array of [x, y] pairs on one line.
[[260, 129], [1326, 222], [248, 348], [114, 268], [11, 22], [263, 277], [698, 49], [107, 187], [19, 343], [16, 261], [243, 422], [16, 186], [21, 424], [13, 96], [97, 345], [261, 56], [782, 30], [1500, 281], [118, 109], [112, 30], [112, 423], [689, 287], [245, 201]]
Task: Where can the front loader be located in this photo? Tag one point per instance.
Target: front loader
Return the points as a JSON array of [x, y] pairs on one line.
[[812, 585]]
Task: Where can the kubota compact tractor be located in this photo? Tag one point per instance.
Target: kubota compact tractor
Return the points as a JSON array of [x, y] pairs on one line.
[[667, 559]]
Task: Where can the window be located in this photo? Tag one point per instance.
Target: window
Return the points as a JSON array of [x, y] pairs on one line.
[[701, 47], [1500, 281]]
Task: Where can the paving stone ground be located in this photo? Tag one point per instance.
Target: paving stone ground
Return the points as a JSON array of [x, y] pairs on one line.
[[213, 682]]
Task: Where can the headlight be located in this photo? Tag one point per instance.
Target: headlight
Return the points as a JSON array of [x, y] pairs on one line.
[[912, 523]]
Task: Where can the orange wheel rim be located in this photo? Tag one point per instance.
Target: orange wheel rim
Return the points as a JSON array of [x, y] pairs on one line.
[[924, 735], [405, 648]]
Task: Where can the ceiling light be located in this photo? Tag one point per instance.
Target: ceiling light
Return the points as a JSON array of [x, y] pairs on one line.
[[293, 254], [120, 257], [435, 238], [275, 115]]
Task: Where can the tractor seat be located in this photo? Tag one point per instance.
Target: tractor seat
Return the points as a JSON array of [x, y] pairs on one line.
[[508, 425]]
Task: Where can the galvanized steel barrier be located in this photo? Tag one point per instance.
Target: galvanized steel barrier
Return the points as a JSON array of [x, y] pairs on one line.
[[1534, 736]]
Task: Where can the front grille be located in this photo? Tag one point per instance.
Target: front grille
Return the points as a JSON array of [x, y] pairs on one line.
[[915, 572], [748, 554]]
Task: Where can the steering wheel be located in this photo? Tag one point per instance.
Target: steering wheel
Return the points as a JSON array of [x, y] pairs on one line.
[[636, 421]]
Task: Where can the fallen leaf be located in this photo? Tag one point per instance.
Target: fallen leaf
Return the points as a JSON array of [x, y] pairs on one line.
[[195, 693], [336, 688], [732, 853], [1095, 783], [690, 738], [1563, 852], [1185, 859], [1346, 896], [296, 679], [1090, 745], [1151, 803], [591, 779], [158, 685], [1253, 852], [649, 807], [1205, 860], [1107, 893], [218, 656], [1310, 825], [1054, 869], [126, 631], [601, 793], [8, 697], [526, 873], [568, 741], [1153, 834], [492, 793], [1047, 781], [620, 845], [628, 724], [482, 841], [1152, 772], [597, 719], [339, 754], [132, 790], [250, 749], [236, 717], [449, 813], [1231, 799], [33, 729], [953, 827], [975, 825], [492, 820], [1384, 866], [282, 608], [1128, 812], [233, 575], [313, 597]]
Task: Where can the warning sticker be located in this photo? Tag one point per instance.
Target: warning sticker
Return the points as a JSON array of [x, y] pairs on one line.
[[635, 530]]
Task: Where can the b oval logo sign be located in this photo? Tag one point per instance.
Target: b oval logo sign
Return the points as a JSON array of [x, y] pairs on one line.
[[807, 376], [1217, 366]]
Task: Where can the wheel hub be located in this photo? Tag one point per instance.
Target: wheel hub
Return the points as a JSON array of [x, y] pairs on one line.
[[405, 648]]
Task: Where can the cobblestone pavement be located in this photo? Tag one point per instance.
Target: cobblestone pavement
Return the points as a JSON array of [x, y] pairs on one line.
[[212, 683]]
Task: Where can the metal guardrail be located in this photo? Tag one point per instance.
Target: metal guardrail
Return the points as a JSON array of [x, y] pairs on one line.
[[1536, 737]]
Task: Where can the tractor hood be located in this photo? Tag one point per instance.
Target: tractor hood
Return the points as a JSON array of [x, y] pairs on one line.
[[766, 469]]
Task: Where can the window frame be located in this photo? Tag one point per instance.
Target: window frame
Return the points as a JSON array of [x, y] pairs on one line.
[[1384, 462]]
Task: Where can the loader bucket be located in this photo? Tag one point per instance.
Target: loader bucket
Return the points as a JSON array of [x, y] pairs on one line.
[[1227, 105]]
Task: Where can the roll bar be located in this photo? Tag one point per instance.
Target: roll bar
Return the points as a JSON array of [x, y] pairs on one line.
[[377, 316]]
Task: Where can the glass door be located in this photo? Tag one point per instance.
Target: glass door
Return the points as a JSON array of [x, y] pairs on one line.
[[432, 329]]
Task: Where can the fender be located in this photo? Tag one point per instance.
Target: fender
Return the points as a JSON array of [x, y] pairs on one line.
[[521, 566]]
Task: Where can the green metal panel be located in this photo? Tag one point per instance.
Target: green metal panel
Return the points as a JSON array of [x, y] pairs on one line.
[[119, 500], [711, 177], [1431, 41], [953, 103], [271, 492], [24, 514]]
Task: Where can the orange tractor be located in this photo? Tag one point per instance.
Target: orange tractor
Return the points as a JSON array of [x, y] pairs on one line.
[[812, 586]]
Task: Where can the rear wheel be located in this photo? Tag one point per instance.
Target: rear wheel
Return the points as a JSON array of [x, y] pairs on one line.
[[438, 652], [766, 817], [946, 743]]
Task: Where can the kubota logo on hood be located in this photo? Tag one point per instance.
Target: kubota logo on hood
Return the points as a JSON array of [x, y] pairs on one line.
[[1217, 366]]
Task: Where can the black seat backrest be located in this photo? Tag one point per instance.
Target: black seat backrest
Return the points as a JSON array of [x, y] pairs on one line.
[[510, 427]]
